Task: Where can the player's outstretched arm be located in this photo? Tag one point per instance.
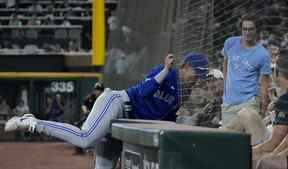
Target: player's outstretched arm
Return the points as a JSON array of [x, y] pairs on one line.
[[168, 64]]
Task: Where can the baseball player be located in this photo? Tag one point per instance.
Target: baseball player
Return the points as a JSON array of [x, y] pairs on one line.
[[154, 98]]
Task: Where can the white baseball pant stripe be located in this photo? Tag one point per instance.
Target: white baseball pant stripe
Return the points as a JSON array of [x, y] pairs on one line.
[[108, 106]]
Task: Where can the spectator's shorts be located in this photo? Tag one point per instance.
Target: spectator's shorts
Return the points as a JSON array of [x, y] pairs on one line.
[[230, 112]]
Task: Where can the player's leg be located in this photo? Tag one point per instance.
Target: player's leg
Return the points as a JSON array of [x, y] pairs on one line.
[[107, 107], [25, 122]]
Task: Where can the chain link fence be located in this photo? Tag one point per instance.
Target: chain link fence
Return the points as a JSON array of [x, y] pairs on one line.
[[142, 32]]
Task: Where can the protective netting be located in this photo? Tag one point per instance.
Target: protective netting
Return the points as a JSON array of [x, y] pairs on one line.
[[147, 30], [140, 33], [204, 25]]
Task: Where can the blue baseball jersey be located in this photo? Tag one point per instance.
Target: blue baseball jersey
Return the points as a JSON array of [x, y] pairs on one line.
[[154, 101]]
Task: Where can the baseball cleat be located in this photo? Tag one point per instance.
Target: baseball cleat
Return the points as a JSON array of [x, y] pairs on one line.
[[25, 122]]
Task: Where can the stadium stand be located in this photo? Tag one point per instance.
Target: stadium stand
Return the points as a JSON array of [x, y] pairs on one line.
[[46, 20], [46, 45]]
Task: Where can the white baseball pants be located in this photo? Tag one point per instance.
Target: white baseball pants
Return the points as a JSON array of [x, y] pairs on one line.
[[109, 105]]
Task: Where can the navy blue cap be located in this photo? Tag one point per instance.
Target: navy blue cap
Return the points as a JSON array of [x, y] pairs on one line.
[[199, 63]]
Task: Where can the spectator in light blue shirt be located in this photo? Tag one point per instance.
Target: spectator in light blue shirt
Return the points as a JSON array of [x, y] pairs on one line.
[[247, 70]]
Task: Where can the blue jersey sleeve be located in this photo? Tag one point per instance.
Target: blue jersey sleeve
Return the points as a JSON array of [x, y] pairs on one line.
[[149, 85]]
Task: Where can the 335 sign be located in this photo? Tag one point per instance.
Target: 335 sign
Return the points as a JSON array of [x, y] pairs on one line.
[[62, 87]]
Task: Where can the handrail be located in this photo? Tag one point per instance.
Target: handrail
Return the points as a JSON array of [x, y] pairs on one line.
[[43, 17], [40, 26]]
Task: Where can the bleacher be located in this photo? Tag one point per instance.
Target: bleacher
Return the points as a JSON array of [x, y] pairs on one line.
[[58, 24]]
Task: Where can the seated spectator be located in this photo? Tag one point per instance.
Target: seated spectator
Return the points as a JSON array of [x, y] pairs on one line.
[[15, 46], [274, 90], [49, 20], [73, 46], [50, 8], [10, 3], [66, 22], [264, 38], [6, 45], [34, 21], [30, 49], [35, 7], [274, 52], [284, 43], [211, 115], [193, 105], [50, 48], [208, 115], [5, 110], [86, 13], [15, 21], [21, 108], [69, 12], [54, 107], [66, 5], [113, 22], [277, 145], [58, 48]]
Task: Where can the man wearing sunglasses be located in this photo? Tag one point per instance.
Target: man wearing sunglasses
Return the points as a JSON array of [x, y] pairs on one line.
[[247, 76]]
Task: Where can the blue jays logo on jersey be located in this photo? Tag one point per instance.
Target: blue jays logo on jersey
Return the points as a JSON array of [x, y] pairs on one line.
[[166, 97]]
